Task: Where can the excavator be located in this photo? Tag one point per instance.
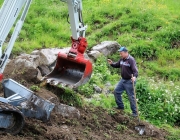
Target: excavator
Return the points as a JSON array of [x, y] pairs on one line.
[[72, 69]]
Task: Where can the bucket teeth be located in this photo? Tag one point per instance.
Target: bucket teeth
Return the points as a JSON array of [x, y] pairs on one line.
[[48, 80], [54, 83], [70, 86], [63, 85]]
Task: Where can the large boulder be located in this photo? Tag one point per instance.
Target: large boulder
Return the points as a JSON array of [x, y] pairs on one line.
[[24, 61], [94, 55], [22, 68], [67, 111], [106, 47], [47, 56]]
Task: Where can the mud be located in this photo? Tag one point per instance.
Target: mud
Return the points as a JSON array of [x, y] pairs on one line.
[[94, 123]]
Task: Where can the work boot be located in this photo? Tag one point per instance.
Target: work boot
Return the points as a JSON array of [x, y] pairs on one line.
[[120, 110], [134, 115]]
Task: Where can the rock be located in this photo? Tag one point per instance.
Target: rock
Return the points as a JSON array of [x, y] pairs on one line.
[[107, 47], [22, 65], [86, 56], [24, 61], [31, 58], [108, 84], [106, 89], [97, 89], [67, 111], [46, 57], [44, 70], [55, 51], [94, 54], [39, 75], [35, 52]]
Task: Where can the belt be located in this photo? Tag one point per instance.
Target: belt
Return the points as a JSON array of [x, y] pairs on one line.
[[126, 79]]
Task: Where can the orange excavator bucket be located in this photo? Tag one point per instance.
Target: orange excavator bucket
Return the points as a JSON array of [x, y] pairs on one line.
[[72, 69]]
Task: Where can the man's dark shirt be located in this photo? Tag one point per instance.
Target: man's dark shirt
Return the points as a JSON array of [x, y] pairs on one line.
[[127, 66]]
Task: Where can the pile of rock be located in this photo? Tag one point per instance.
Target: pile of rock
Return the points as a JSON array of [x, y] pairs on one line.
[[41, 62]]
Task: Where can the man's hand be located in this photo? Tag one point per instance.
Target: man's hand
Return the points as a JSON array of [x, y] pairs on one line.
[[133, 79], [110, 61]]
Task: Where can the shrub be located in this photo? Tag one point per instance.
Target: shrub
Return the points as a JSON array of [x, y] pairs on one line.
[[34, 88], [158, 103]]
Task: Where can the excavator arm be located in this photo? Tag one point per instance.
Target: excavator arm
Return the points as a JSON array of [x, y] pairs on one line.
[[8, 15], [18, 101], [76, 21], [72, 69]]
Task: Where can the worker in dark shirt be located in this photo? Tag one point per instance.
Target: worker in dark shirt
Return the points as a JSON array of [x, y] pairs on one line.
[[128, 67]]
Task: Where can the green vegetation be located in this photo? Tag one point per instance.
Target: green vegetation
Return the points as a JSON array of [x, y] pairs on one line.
[[158, 101], [101, 75], [34, 88], [149, 28], [174, 133], [70, 97]]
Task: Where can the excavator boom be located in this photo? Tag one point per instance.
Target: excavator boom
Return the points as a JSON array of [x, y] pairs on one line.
[[15, 94]]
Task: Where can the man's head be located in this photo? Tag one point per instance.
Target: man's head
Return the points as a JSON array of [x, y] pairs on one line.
[[123, 52]]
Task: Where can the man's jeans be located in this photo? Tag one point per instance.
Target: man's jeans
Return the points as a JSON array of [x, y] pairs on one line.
[[125, 85]]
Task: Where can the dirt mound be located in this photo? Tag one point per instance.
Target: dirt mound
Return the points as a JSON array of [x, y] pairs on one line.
[[94, 123]]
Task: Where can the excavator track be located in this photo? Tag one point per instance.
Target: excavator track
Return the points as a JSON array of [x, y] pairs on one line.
[[11, 119]]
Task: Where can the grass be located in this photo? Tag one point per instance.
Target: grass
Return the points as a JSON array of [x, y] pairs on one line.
[[174, 133]]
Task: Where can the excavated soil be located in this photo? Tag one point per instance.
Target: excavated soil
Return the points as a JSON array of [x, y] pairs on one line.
[[94, 123]]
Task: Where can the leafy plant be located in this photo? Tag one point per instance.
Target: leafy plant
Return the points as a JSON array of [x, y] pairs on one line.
[[70, 97], [121, 127], [159, 105], [34, 88]]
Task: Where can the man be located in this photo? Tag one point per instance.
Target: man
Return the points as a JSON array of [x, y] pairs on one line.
[[128, 67]]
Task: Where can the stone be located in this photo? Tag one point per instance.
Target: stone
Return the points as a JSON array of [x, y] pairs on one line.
[[39, 75], [23, 62], [44, 70], [31, 58], [107, 47], [97, 89], [108, 84], [106, 89], [35, 52], [94, 54], [46, 57], [67, 111], [55, 51]]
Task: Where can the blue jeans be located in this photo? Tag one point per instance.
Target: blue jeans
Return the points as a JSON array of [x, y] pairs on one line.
[[125, 85]]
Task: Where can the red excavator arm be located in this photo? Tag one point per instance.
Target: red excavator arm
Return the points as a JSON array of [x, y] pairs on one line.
[[73, 69]]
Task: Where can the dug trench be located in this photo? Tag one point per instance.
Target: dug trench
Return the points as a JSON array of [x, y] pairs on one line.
[[94, 123]]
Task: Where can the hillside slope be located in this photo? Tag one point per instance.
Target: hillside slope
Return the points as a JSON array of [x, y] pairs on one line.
[[94, 123]]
